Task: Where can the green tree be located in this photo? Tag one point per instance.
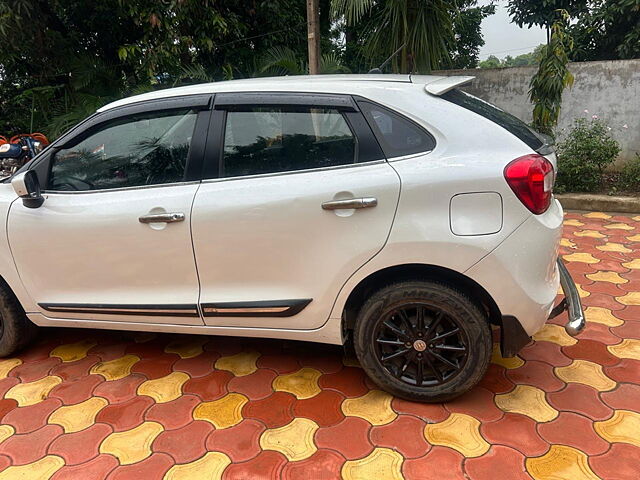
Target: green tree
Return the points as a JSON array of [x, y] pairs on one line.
[[491, 62], [543, 13], [467, 34]]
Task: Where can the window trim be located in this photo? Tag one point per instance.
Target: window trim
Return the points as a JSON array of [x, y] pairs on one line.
[[368, 148], [201, 104]]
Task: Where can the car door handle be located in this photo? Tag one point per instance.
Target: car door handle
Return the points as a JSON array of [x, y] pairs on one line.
[[349, 203], [162, 217]]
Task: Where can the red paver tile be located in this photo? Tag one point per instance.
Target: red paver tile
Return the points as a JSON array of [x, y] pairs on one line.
[[4, 462], [441, 463], [156, 367], [628, 329], [32, 371], [77, 390], [324, 408], [604, 287], [274, 411], [591, 350], [326, 363], [38, 351], [126, 415], [240, 442], [496, 380], [498, 462], [621, 462], [538, 374], [32, 417], [573, 430], [280, 363], [80, 447], [405, 434], [6, 405], [108, 352], [73, 370], [266, 466], [581, 399], [631, 313], [515, 431], [118, 391], [601, 300], [429, 412], [6, 384], [197, 366], [97, 468], [225, 345], [174, 414], [210, 387], [322, 465], [625, 397], [546, 352], [349, 437], [32, 446], [256, 386], [478, 403], [349, 381], [628, 371], [151, 468], [599, 333], [184, 444]]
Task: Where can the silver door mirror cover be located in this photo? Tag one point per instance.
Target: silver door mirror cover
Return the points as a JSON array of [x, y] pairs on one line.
[[27, 187]]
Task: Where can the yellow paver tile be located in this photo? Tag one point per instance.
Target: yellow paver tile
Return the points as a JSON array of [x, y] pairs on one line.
[[381, 464], [5, 432], [187, 347], [224, 412], [374, 407], [633, 264], [303, 383], [603, 316], [527, 400], [42, 469], [623, 427], [634, 238], [555, 334], [209, 467], [133, 445], [610, 277], [164, 389], [7, 365], [628, 348], [294, 440], [631, 298], [73, 418], [601, 215], [589, 233], [614, 247], [72, 352], [581, 257], [31, 393], [115, 369], [460, 432], [560, 463], [587, 373], [573, 223], [565, 242], [508, 363], [240, 364], [618, 226]]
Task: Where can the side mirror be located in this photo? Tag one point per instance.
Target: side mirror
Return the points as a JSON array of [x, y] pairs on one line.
[[27, 187]]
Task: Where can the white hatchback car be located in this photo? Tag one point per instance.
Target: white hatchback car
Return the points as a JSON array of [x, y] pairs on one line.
[[397, 212]]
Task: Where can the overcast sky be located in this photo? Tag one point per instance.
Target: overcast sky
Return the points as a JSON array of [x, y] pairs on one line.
[[504, 38]]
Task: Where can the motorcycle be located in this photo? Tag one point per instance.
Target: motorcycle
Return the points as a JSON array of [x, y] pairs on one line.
[[17, 151]]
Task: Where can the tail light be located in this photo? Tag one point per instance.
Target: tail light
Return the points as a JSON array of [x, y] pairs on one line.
[[531, 178]]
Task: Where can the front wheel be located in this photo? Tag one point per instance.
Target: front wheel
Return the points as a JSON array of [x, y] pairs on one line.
[[423, 340]]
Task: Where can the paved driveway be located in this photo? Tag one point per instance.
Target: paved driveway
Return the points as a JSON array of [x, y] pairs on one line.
[[91, 404]]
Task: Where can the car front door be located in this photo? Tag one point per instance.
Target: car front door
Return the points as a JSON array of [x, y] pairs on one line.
[[112, 239], [299, 197]]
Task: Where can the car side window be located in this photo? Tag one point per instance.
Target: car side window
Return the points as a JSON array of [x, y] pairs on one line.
[[261, 140], [145, 149], [397, 135]]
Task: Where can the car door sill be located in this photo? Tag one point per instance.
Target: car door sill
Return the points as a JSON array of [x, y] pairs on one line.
[[173, 310]]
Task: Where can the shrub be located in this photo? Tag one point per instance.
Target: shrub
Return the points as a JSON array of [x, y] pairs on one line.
[[630, 175], [584, 154]]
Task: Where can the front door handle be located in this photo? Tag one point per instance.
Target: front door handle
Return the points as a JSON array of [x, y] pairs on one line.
[[349, 203], [162, 217]]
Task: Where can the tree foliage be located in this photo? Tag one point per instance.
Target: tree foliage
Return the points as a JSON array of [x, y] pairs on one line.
[[526, 59], [467, 34]]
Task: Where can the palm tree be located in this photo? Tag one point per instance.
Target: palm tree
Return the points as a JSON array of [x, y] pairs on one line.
[[423, 28]]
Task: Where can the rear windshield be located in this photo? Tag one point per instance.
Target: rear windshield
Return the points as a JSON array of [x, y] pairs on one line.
[[507, 121]]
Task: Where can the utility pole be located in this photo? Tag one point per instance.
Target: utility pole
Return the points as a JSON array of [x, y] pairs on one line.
[[313, 36]]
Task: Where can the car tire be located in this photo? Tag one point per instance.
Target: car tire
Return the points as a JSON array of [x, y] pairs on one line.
[[423, 340], [16, 330]]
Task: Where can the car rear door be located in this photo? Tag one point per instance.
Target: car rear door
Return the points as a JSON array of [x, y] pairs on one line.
[[297, 197]]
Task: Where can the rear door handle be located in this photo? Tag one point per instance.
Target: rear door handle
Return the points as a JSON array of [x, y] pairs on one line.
[[162, 217], [349, 203]]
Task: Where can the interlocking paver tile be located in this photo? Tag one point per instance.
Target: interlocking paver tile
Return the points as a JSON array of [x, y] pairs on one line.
[[147, 405]]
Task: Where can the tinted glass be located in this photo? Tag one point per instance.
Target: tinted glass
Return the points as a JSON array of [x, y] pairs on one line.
[[507, 121], [268, 140], [146, 149], [397, 135]]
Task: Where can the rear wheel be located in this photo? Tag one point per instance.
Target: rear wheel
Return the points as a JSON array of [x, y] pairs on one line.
[[16, 330], [423, 341]]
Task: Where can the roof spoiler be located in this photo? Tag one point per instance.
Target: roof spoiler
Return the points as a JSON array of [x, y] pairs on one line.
[[443, 85]]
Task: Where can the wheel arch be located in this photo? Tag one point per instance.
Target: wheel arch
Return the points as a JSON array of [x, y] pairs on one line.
[[415, 271]]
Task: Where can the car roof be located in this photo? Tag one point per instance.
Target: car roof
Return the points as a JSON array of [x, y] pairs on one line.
[[304, 83]]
